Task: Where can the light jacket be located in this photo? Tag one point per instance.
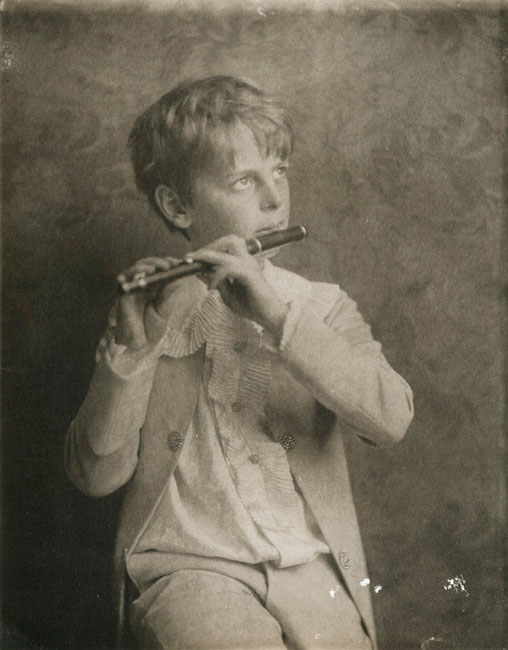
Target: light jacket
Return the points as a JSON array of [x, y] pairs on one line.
[[333, 379]]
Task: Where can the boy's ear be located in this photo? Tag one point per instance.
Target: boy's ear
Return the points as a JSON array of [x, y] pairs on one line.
[[171, 207]]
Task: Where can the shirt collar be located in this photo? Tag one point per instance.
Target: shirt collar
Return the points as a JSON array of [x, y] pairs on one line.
[[197, 314]]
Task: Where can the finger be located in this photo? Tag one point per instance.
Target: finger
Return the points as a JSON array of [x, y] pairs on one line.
[[123, 278], [230, 298], [159, 262], [225, 293], [234, 245], [130, 275], [205, 277], [219, 276], [211, 257], [173, 261], [136, 269], [231, 244], [148, 265], [139, 270]]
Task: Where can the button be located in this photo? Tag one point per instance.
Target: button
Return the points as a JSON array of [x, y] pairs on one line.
[[239, 346], [255, 459], [236, 407], [175, 440], [287, 442]]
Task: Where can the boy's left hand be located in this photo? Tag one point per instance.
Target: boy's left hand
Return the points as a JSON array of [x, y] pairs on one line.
[[238, 277]]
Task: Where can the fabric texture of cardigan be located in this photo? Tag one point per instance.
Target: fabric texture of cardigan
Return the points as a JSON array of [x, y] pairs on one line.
[[333, 379]]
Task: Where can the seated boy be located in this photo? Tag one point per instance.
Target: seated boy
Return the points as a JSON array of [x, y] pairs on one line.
[[223, 400]]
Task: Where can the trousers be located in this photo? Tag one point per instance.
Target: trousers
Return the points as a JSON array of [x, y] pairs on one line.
[[222, 605]]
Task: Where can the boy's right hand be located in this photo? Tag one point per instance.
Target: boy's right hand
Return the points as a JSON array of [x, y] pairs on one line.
[[130, 325]]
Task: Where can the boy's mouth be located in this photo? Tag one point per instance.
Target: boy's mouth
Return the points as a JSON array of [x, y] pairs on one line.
[[267, 231]]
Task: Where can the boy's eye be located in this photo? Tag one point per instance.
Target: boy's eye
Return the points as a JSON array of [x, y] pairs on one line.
[[242, 183], [281, 171]]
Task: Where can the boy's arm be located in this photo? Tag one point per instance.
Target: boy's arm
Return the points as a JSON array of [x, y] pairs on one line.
[[337, 359], [102, 442]]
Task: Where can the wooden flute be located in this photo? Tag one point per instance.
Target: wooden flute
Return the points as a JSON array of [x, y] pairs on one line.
[[255, 246]]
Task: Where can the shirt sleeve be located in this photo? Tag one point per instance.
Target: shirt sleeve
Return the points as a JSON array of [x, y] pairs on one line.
[[102, 441], [333, 354]]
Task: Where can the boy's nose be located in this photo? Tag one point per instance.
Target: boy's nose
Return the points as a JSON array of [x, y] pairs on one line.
[[270, 197]]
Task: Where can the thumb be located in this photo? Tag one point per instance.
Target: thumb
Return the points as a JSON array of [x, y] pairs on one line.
[[219, 277], [130, 328]]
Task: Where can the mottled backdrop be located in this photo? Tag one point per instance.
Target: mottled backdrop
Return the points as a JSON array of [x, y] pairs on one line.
[[397, 173]]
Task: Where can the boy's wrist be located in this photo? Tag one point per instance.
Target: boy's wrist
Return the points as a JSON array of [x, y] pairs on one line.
[[127, 360], [275, 318]]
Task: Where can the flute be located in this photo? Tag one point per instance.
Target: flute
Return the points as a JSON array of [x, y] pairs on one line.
[[255, 246]]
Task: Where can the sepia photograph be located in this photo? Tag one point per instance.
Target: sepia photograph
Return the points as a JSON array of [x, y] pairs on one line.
[[254, 324]]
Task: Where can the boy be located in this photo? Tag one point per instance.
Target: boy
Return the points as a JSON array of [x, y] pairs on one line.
[[222, 402]]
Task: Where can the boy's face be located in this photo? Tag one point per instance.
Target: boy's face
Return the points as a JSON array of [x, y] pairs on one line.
[[248, 196]]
